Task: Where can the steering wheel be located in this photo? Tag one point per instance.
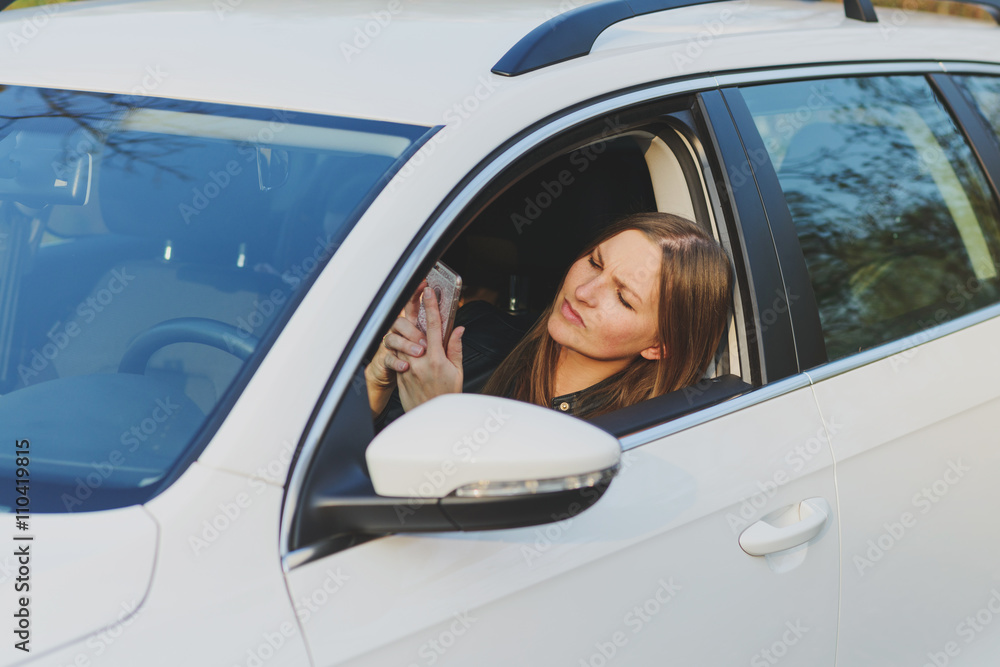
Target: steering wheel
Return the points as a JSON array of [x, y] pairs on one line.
[[219, 335]]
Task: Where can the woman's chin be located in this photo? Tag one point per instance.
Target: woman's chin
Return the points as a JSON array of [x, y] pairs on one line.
[[563, 333]]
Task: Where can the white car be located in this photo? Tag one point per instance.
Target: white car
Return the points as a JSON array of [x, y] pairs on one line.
[[211, 212]]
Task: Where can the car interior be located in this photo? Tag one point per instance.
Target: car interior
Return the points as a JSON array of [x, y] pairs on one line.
[[513, 253]]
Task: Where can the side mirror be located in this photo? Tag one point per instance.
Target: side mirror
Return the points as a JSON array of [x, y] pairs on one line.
[[474, 462]]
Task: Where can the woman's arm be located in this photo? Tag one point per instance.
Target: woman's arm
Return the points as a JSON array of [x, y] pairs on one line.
[[403, 336], [379, 390]]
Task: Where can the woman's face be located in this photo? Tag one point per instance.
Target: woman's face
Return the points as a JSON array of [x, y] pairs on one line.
[[607, 307]]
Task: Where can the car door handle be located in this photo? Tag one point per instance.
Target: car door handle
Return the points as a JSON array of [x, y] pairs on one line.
[[763, 538]]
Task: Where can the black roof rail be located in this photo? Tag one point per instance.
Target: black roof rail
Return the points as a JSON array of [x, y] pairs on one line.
[[573, 33]]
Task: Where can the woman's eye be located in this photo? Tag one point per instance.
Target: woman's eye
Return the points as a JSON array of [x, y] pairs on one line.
[[619, 292], [622, 299]]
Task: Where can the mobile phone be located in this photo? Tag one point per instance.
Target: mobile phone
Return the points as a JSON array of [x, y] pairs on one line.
[[447, 285]]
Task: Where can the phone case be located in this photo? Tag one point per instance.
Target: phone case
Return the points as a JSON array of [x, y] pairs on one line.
[[447, 285]]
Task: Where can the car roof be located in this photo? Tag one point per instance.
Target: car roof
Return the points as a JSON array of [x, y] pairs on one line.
[[413, 60]]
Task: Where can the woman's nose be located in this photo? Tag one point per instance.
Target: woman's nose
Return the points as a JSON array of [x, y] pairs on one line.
[[587, 292]]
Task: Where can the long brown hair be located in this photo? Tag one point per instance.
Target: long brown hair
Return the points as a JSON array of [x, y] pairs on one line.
[[695, 287]]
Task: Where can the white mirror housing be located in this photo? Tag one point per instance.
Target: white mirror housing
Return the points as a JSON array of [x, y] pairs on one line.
[[472, 445]]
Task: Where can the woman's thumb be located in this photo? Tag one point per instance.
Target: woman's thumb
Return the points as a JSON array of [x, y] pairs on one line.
[[455, 346]]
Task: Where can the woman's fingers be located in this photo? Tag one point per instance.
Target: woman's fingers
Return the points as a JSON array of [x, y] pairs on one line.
[[394, 363], [455, 346], [408, 331], [404, 337], [412, 307], [396, 343], [433, 316]]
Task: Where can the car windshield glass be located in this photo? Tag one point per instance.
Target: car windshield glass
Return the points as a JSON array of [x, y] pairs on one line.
[[149, 252]]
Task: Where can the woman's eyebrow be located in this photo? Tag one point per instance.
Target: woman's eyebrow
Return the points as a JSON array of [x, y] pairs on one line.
[[617, 280]]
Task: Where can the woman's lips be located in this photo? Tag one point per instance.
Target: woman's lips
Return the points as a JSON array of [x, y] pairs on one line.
[[570, 314]]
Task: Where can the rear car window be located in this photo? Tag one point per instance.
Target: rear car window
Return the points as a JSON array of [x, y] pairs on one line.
[[895, 219], [149, 251]]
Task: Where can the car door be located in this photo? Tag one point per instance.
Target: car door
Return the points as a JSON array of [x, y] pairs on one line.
[[883, 175], [654, 573]]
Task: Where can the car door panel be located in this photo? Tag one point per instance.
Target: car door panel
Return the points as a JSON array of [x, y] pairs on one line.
[[917, 463], [660, 550]]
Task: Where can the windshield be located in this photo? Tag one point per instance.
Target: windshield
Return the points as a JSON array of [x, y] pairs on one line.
[[149, 252]]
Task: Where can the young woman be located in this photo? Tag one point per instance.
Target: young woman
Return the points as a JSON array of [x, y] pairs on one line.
[[639, 313]]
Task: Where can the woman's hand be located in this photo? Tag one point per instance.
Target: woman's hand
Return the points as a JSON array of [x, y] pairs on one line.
[[437, 371], [403, 336]]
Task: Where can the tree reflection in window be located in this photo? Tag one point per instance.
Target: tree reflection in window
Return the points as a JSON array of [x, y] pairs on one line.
[[895, 219]]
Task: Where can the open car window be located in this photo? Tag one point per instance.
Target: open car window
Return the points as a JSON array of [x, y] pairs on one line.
[[512, 246], [513, 253]]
